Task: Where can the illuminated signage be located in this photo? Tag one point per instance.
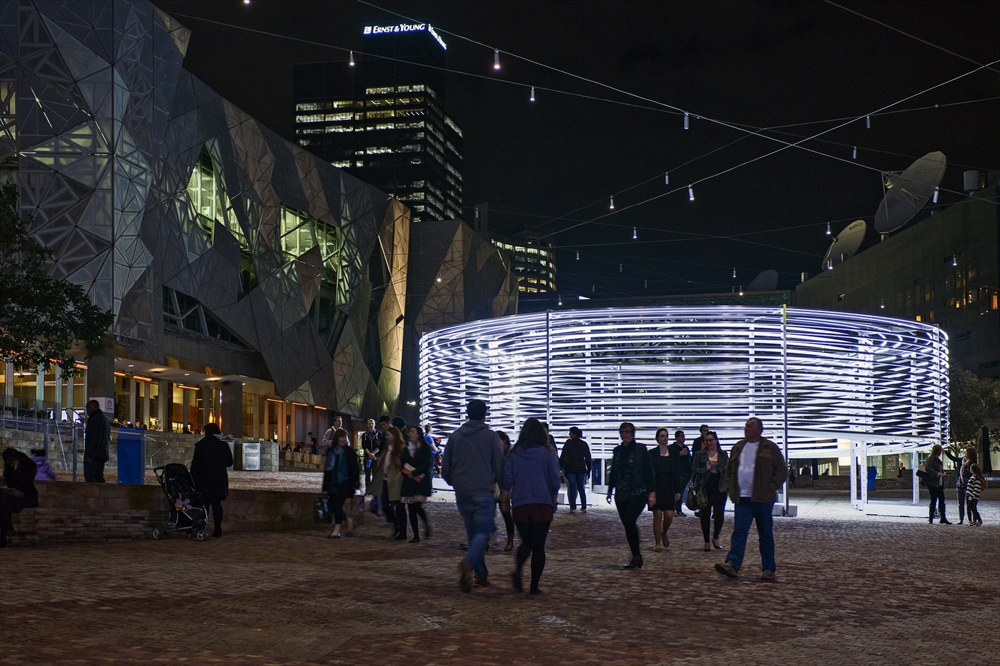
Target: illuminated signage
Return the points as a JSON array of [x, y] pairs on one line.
[[404, 28]]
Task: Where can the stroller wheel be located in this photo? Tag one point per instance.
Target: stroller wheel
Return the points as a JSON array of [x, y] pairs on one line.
[[202, 535], [157, 533]]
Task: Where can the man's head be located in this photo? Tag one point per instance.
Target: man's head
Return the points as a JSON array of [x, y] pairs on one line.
[[309, 434], [93, 407], [371, 425], [679, 437], [703, 429], [384, 422], [753, 429], [212, 429], [427, 429], [476, 410], [399, 422], [627, 432], [338, 421]]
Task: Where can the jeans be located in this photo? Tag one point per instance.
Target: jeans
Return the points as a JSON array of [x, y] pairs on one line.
[[960, 493], [974, 516], [679, 504], [477, 514], [937, 494], [749, 512], [93, 472], [577, 483], [629, 510]]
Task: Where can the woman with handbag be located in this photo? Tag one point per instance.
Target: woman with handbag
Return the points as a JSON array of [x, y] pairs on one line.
[[710, 474], [341, 478], [667, 469], [416, 461]]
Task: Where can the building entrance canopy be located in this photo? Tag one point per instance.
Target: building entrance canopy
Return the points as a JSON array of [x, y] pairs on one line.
[[818, 380]]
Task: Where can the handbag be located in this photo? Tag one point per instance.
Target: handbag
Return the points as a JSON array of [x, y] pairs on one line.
[[697, 498]]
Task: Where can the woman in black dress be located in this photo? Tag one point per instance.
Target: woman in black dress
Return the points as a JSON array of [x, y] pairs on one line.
[[416, 460], [710, 466], [668, 487], [633, 483], [20, 493]]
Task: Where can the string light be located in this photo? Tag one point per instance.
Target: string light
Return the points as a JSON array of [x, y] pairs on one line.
[[734, 272], [578, 255], [854, 153], [612, 206], [936, 189], [620, 268], [246, 2], [351, 62], [881, 305], [635, 234], [560, 301], [687, 120], [829, 264], [827, 228], [496, 59], [438, 278], [954, 260], [690, 193], [741, 290], [532, 94], [645, 284], [593, 288], [666, 178], [868, 122]]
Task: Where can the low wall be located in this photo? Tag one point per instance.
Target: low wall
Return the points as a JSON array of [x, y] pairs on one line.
[[108, 512], [161, 448]]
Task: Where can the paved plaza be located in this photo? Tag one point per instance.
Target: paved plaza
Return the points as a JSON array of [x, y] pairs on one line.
[[850, 590]]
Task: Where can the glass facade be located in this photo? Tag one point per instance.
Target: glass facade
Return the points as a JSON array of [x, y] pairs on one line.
[[535, 267]]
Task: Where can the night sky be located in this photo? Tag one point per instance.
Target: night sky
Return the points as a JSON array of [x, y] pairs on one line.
[[760, 64]]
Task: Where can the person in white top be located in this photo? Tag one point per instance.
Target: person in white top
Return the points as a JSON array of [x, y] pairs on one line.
[[755, 471]]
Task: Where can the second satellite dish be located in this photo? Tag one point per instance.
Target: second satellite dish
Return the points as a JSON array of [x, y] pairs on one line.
[[845, 244], [906, 193], [766, 281]]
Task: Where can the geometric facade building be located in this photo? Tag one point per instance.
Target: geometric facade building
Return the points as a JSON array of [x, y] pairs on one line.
[[455, 275], [222, 249]]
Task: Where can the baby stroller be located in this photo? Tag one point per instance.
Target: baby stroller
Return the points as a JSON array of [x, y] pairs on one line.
[[187, 509]]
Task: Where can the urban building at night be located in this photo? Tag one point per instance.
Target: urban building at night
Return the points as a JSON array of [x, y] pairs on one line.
[[383, 118], [253, 284], [533, 262], [941, 270]]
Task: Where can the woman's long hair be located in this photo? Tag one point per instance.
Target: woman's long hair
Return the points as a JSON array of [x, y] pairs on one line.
[[972, 455], [533, 433], [935, 453], [397, 441], [420, 434]]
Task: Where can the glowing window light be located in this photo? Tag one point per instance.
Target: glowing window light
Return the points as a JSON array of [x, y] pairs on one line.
[[851, 376]]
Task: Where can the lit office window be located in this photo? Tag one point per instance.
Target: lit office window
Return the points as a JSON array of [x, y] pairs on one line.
[[410, 148], [209, 201], [308, 106], [342, 164], [379, 91], [301, 232], [377, 150], [310, 118], [451, 123], [379, 101], [341, 104], [339, 116], [381, 114], [332, 128]]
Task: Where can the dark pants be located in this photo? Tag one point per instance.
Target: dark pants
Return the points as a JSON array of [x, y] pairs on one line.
[[368, 473], [533, 535], [974, 516], [577, 483], [717, 505], [337, 506], [398, 513], [629, 510], [93, 472], [960, 493], [9, 505], [508, 522], [937, 495], [414, 510], [216, 504]]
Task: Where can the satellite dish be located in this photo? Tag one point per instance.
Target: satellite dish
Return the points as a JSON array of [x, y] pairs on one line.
[[907, 192], [766, 281], [845, 244]]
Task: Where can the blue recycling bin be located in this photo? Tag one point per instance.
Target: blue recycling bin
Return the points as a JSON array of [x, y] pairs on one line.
[[131, 463], [872, 473]]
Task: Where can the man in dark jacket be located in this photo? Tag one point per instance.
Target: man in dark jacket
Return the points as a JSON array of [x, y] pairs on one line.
[[684, 466], [208, 469], [755, 472], [472, 464], [95, 443], [575, 461]]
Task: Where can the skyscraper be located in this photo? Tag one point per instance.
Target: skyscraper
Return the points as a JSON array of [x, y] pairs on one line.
[[380, 115]]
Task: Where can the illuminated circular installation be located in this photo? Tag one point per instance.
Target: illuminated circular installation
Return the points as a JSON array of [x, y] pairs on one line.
[[830, 378]]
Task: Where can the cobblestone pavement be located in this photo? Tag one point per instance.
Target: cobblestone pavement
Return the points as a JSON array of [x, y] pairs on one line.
[[861, 591]]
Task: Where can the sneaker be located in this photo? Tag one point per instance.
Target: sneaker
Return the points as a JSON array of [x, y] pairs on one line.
[[727, 569], [572, 510], [465, 576], [583, 510], [767, 575], [481, 582]]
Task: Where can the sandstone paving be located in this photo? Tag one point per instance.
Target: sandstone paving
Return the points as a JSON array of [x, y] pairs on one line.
[[849, 591]]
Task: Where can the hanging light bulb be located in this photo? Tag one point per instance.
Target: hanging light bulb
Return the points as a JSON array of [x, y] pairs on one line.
[[854, 153], [560, 301], [741, 290], [881, 305], [687, 121], [690, 193], [351, 62], [246, 2], [829, 264], [935, 198], [496, 59], [532, 94], [734, 272], [578, 255], [868, 122], [666, 178], [593, 288], [635, 235], [438, 277], [620, 268], [645, 284], [612, 206], [954, 260], [827, 228]]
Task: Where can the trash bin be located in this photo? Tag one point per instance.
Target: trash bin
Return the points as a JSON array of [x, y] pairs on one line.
[[872, 473], [131, 458], [251, 456]]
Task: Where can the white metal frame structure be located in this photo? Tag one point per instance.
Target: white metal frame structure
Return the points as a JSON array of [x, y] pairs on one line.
[[825, 384]]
